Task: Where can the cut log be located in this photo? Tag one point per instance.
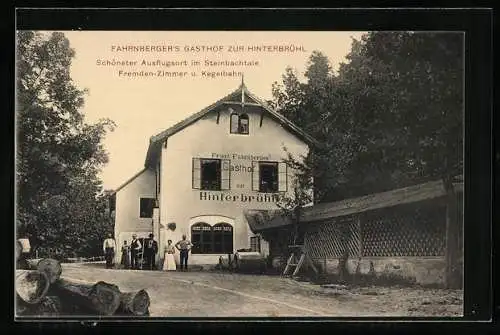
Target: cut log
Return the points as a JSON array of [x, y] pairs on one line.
[[51, 267], [134, 303], [33, 263], [48, 306], [19, 250], [100, 298], [31, 285], [22, 308]]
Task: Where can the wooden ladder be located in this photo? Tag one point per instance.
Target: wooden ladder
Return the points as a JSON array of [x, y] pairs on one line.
[[295, 264]]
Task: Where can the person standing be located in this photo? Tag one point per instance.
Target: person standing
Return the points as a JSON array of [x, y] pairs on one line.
[[125, 255], [109, 247], [184, 246], [135, 247], [169, 261], [150, 251]]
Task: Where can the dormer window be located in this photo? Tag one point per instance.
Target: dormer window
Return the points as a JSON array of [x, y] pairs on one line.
[[239, 123]]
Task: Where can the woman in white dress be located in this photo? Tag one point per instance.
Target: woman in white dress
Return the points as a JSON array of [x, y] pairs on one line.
[[169, 261]]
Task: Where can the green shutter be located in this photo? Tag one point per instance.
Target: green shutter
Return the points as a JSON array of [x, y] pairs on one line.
[[255, 176], [282, 177], [225, 174]]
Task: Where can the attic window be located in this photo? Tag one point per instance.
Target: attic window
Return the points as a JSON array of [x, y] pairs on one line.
[[239, 124], [235, 120], [243, 126]]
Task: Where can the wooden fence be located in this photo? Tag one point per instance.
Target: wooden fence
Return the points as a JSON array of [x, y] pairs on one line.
[[408, 230]]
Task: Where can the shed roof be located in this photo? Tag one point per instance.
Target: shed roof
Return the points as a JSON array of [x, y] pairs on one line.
[[156, 141], [259, 221]]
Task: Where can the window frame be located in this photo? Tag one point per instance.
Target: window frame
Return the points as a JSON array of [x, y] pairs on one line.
[[281, 175], [258, 238], [231, 123], [205, 236], [152, 200], [224, 176], [226, 247], [247, 118], [208, 237], [240, 116], [269, 163], [218, 180]]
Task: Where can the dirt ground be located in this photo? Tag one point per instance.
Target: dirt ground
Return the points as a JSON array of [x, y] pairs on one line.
[[218, 294]]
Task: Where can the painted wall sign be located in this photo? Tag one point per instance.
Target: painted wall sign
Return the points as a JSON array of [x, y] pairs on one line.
[[247, 157], [226, 197]]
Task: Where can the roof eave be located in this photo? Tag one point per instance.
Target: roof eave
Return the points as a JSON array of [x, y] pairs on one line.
[[294, 128], [193, 118], [129, 180]]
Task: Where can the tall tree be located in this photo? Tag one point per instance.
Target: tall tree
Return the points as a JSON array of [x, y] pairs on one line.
[[391, 116], [302, 186], [313, 106], [59, 155], [408, 107]]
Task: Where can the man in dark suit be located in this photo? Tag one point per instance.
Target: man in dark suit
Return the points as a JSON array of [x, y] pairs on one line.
[[150, 251]]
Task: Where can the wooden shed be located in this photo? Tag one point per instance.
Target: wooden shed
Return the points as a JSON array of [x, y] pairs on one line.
[[415, 232]]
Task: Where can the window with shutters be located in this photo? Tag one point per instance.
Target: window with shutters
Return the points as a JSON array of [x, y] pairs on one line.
[[211, 174], [255, 243], [269, 177]]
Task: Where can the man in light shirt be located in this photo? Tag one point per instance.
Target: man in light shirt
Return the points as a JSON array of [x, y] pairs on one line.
[[135, 248], [109, 248], [184, 246]]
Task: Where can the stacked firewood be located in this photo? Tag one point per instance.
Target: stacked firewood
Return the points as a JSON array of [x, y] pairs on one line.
[[41, 291]]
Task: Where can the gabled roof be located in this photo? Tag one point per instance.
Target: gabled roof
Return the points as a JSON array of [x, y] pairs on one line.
[[128, 181], [156, 141]]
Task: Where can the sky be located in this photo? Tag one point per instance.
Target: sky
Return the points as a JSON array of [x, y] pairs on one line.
[[142, 106]]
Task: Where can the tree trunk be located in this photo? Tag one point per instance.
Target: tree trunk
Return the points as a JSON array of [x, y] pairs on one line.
[[22, 308], [19, 250], [100, 298], [48, 306], [51, 267], [31, 285], [453, 274], [134, 303], [32, 263]]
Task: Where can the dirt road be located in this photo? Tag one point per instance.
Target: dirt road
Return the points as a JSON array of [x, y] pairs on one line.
[[213, 294]]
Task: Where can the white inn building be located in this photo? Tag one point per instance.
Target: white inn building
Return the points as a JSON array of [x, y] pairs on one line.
[[202, 173]]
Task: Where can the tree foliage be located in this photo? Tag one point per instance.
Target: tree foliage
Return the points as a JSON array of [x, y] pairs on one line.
[[302, 185], [59, 195], [391, 116]]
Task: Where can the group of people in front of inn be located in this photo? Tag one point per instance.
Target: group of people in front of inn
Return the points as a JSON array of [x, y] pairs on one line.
[[131, 252]]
